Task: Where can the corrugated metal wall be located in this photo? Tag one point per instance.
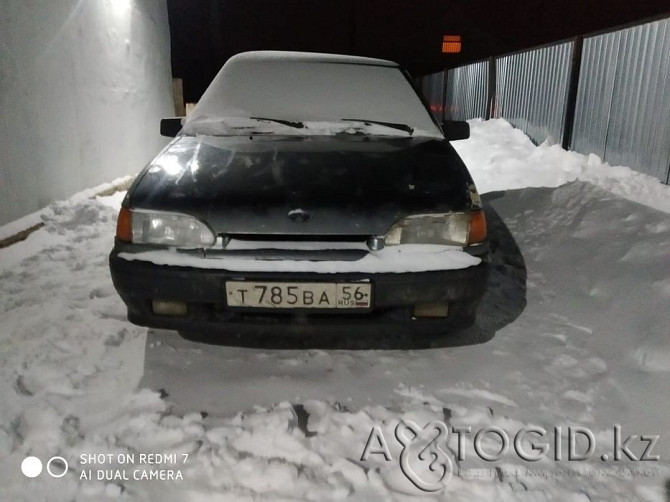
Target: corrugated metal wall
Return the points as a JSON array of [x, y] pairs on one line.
[[623, 98], [467, 89], [531, 91], [622, 110]]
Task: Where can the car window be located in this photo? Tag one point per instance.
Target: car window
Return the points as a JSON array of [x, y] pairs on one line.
[[312, 91]]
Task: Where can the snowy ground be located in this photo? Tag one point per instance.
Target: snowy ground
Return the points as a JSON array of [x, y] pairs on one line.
[[576, 316]]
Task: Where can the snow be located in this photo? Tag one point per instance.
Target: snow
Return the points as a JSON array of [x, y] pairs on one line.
[[14, 227], [308, 57], [30, 220], [40, 240], [576, 320], [391, 259], [501, 157], [275, 86]]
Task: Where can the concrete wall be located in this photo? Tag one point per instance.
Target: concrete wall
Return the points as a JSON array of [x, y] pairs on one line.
[[83, 85]]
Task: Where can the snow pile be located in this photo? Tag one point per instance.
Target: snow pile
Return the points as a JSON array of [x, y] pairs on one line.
[[501, 157], [38, 240], [68, 355], [576, 308]]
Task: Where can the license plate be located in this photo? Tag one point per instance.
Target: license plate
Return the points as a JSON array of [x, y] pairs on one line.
[[303, 295]]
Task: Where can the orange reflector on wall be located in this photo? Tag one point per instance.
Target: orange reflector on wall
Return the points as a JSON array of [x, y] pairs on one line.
[[451, 44]]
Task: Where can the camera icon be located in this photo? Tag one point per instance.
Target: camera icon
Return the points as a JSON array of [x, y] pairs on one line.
[[57, 467]]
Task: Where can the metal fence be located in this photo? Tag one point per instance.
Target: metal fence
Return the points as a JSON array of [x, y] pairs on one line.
[[622, 103], [466, 93], [532, 89], [623, 99]]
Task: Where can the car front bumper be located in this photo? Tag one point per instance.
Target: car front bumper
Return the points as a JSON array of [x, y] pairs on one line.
[[203, 290]]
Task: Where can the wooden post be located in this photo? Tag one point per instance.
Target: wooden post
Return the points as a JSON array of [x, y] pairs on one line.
[[178, 96]]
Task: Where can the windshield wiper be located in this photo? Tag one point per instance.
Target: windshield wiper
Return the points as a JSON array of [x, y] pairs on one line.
[[393, 125], [295, 125]]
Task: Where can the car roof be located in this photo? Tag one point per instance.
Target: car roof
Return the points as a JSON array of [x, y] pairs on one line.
[[308, 57]]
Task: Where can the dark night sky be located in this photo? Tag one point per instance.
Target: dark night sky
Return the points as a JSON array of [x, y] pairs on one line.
[[205, 33]]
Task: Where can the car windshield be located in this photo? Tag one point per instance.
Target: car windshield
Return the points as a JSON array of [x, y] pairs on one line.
[[324, 95]]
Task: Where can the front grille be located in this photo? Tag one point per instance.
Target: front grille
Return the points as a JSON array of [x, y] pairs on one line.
[[290, 247], [296, 237], [289, 254]]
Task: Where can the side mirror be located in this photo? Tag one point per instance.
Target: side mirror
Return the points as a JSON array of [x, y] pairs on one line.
[[455, 129], [170, 127]]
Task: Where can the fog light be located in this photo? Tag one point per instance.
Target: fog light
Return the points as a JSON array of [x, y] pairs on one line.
[[163, 307], [431, 310]]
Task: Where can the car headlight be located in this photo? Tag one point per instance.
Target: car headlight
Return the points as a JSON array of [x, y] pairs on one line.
[[452, 229], [168, 229]]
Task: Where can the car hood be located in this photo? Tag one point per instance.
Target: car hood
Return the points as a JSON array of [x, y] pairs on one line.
[[319, 186]]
